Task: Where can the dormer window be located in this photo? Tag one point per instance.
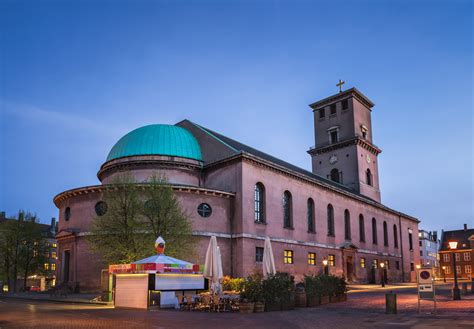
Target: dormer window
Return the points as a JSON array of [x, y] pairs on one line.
[[333, 133]]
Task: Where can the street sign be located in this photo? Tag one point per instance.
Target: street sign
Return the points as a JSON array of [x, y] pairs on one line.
[[425, 285]]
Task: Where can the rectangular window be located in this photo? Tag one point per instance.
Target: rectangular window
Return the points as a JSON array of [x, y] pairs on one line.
[[467, 269], [322, 113], [397, 264], [421, 252], [421, 244], [55, 245], [288, 257], [46, 266], [334, 136], [333, 109], [458, 256], [53, 267], [446, 258], [412, 266], [410, 239], [345, 104], [311, 258], [448, 269], [53, 255], [362, 263], [458, 269], [375, 263], [467, 256], [331, 260], [387, 264], [259, 254]]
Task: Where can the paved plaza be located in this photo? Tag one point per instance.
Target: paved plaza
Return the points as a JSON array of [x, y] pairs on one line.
[[362, 310]]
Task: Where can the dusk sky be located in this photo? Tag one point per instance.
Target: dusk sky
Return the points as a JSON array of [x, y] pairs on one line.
[[77, 76]]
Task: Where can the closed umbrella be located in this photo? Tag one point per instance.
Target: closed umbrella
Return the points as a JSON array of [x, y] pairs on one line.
[[268, 260], [213, 265]]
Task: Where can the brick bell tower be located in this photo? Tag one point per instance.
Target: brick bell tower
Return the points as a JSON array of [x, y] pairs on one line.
[[344, 151]]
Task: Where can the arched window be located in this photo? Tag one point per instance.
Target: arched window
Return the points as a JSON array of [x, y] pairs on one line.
[[395, 236], [335, 176], [259, 203], [374, 231], [361, 228], [310, 216], [347, 225], [287, 210], [368, 176], [385, 234], [330, 220]]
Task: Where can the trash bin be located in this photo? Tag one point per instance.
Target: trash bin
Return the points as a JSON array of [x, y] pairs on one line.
[[391, 303]]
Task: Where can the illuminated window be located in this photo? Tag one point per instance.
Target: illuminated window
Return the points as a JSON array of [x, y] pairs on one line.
[[387, 264], [467, 256], [375, 263], [311, 258], [46, 266], [448, 270], [446, 257], [288, 257], [362, 262], [331, 260], [458, 269], [53, 267], [53, 255], [35, 253], [467, 269], [55, 245], [458, 256]]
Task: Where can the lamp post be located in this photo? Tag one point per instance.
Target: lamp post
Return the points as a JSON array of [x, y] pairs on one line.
[[326, 269], [444, 273], [456, 293], [382, 266]]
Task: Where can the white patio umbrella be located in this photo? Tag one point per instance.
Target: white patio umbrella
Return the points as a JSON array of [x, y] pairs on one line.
[[268, 260], [213, 265]]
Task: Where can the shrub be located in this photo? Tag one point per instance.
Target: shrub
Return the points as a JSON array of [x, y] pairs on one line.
[[278, 287], [232, 284], [251, 289]]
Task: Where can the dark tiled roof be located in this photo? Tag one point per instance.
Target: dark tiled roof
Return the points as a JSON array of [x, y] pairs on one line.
[[461, 236]]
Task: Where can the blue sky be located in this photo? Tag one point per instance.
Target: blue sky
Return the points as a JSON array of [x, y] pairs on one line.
[[77, 75]]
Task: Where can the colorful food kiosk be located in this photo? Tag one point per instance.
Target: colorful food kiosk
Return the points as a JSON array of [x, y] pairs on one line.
[[154, 281]]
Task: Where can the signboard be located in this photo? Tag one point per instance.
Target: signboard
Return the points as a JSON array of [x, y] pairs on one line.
[[425, 285]]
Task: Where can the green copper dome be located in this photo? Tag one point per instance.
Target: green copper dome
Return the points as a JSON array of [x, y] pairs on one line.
[[157, 140]]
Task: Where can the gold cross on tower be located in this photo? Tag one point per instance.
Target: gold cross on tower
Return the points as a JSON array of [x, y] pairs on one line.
[[340, 85]]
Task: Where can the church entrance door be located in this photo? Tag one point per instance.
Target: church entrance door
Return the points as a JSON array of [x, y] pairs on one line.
[[349, 269]]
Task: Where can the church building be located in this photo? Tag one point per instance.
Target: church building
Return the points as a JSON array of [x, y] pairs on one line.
[[242, 195]]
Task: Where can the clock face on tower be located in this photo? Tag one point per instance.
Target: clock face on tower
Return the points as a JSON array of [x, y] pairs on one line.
[[333, 159]]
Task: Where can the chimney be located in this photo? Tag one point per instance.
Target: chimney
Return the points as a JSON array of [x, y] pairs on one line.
[[465, 227]]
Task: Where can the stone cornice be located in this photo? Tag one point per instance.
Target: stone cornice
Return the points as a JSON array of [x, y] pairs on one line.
[[353, 141], [100, 188], [354, 92], [145, 162]]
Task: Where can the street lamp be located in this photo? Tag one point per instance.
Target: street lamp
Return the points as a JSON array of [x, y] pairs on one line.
[[326, 269], [444, 273], [382, 265], [456, 293]]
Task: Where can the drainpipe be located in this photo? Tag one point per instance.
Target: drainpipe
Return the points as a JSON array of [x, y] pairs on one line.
[[401, 246]]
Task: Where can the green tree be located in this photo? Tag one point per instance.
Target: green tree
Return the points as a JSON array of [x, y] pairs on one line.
[[137, 213]]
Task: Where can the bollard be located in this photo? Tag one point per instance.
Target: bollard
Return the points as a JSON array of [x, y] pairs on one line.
[[390, 303], [464, 288]]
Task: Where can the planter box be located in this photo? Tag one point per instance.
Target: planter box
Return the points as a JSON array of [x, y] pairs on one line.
[[342, 298], [300, 299], [333, 299], [314, 301], [259, 307], [324, 300], [246, 307]]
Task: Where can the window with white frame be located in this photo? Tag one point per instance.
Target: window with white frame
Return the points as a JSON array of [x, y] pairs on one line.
[[448, 270], [467, 269], [467, 256], [446, 257], [458, 257], [333, 134], [458, 269]]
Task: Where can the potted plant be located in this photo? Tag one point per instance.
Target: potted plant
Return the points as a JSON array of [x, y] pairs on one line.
[[271, 292], [245, 304]]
